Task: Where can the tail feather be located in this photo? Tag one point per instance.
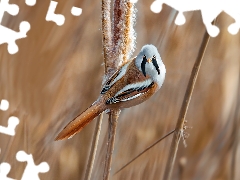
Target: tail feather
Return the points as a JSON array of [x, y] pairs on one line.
[[78, 123]]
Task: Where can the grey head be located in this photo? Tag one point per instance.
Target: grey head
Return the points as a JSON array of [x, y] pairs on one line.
[[150, 63]]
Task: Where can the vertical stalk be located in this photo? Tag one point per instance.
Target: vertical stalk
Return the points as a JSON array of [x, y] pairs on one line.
[[185, 104], [107, 47], [235, 134], [235, 137], [113, 120], [118, 44], [106, 33], [93, 151]]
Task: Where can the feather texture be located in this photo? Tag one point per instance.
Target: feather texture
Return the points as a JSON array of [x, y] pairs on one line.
[[132, 84], [79, 122]]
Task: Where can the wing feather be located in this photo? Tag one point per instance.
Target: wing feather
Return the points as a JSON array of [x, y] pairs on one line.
[[129, 94]]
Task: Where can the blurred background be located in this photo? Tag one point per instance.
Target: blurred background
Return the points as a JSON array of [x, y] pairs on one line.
[[58, 72]]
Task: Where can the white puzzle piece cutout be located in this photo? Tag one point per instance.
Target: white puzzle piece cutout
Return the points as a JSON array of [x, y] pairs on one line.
[[59, 19], [12, 124], [31, 171], [12, 9], [30, 2], [232, 8], [4, 170], [209, 10], [4, 105], [76, 11], [12, 121], [7, 35]]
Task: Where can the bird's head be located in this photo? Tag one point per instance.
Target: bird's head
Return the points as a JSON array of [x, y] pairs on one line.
[[150, 63]]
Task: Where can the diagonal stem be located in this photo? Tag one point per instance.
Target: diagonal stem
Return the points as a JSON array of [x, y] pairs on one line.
[[185, 104], [149, 147]]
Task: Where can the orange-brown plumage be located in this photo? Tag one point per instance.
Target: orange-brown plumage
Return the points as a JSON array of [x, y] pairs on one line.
[[132, 84], [79, 122]]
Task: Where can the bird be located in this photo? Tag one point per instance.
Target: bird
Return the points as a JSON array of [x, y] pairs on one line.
[[133, 83]]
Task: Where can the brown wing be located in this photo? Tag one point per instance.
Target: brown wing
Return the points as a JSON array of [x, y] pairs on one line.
[[108, 85], [116, 76], [129, 94]]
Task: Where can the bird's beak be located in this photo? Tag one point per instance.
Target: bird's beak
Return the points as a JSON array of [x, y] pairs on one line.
[[149, 60]]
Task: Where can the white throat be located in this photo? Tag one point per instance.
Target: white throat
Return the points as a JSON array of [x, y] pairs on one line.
[[152, 72], [149, 62]]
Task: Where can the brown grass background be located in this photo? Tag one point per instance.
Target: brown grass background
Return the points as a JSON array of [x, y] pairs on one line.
[[57, 73]]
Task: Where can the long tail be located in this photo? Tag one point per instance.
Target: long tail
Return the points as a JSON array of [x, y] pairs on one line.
[[79, 122]]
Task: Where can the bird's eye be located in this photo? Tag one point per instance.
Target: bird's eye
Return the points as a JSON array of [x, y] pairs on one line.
[[144, 58], [154, 57]]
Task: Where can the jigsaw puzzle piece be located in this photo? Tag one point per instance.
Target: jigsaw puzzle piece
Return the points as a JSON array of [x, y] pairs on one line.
[[76, 11], [208, 15], [30, 2], [180, 19], [232, 8], [12, 9], [31, 171], [9, 36], [12, 124], [4, 105], [4, 170], [59, 19], [209, 9], [234, 28], [156, 6]]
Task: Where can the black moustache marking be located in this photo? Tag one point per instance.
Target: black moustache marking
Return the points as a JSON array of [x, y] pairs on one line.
[[143, 65], [154, 61]]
